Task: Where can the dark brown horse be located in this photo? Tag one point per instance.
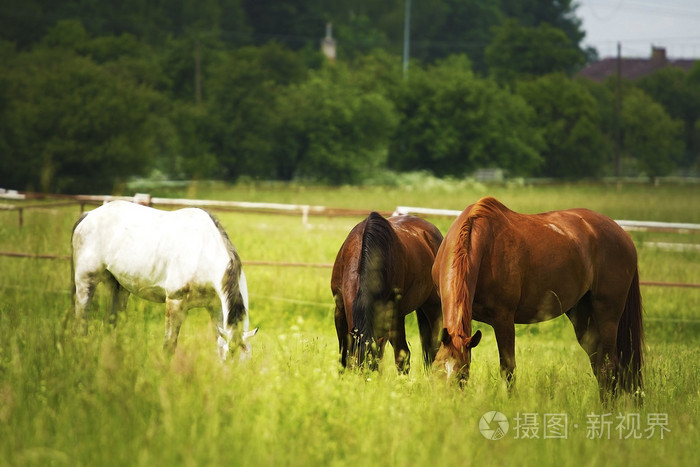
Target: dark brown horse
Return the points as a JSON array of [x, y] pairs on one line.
[[500, 267], [381, 274]]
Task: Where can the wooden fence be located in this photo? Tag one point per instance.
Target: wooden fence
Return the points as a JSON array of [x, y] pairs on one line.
[[302, 210]]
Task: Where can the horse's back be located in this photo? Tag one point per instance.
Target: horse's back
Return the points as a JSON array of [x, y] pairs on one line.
[[347, 258], [152, 253], [419, 241], [542, 264], [415, 229], [609, 234], [122, 224], [598, 237]]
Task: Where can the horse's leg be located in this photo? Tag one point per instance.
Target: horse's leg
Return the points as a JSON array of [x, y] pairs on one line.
[[429, 325], [341, 329], [224, 338], [85, 285], [397, 337], [505, 339], [174, 316], [607, 319], [120, 296], [581, 317], [596, 332]]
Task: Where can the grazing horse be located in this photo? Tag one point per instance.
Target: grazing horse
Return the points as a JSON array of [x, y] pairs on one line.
[[183, 258], [500, 267], [381, 274]]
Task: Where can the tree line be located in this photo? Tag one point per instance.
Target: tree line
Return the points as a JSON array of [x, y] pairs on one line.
[[94, 93]]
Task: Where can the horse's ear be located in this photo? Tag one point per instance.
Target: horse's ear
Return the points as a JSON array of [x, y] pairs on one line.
[[445, 337], [474, 341]]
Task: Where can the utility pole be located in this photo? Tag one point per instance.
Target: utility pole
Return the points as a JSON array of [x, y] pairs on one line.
[[197, 74], [406, 37], [618, 112]]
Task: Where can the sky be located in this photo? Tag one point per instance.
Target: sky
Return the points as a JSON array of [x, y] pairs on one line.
[[639, 24]]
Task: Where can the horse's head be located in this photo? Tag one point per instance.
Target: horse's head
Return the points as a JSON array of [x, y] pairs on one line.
[[364, 350], [372, 328], [234, 334], [228, 345], [454, 357], [245, 345]]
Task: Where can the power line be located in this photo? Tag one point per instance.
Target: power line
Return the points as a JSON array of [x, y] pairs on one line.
[[609, 16], [658, 9]]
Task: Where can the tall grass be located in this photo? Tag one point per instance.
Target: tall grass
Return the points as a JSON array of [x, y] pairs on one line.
[[113, 398]]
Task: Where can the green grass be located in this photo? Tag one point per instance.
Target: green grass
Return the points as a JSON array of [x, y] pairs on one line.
[[113, 398]]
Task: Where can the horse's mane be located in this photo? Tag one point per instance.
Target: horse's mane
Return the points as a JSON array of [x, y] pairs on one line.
[[375, 275], [487, 207], [236, 308]]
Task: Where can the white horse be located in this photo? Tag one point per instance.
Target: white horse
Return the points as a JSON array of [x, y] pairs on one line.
[[183, 258]]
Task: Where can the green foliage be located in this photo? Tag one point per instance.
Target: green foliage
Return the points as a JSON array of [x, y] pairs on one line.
[[92, 93], [652, 137], [454, 122], [333, 130], [70, 125], [568, 116], [358, 38], [242, 101], [679, 93], [456, 27], [28, 21], [519, 52], [561, 14]]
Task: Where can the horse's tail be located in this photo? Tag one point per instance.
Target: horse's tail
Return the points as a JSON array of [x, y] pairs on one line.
[[466, 259], [375, 281], [630, 340], [71, 311]]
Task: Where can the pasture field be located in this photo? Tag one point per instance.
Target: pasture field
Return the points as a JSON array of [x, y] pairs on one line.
[[113, 398]]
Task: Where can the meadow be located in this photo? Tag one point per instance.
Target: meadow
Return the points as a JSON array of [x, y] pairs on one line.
[[113, 398]]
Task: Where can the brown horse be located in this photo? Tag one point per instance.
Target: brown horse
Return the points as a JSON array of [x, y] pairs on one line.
[[381, 274], [500, 267]]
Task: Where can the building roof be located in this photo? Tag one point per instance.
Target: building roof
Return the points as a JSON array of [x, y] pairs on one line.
[[634, 68]]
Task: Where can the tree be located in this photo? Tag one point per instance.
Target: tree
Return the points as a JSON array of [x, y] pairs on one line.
[[358, 37], [70, 125], [560, 14], [453, 123], [190, 153], [242, 100], [568, 116], [650, 135], [520, 52], [294, 23], [332, 130], [679, 93], [456, 27], [27, 21]]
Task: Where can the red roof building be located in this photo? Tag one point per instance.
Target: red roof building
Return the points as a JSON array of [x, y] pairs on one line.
[[633, 68]]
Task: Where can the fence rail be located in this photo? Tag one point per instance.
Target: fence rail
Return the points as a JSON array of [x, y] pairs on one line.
[[13, 254], [304, 210]]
